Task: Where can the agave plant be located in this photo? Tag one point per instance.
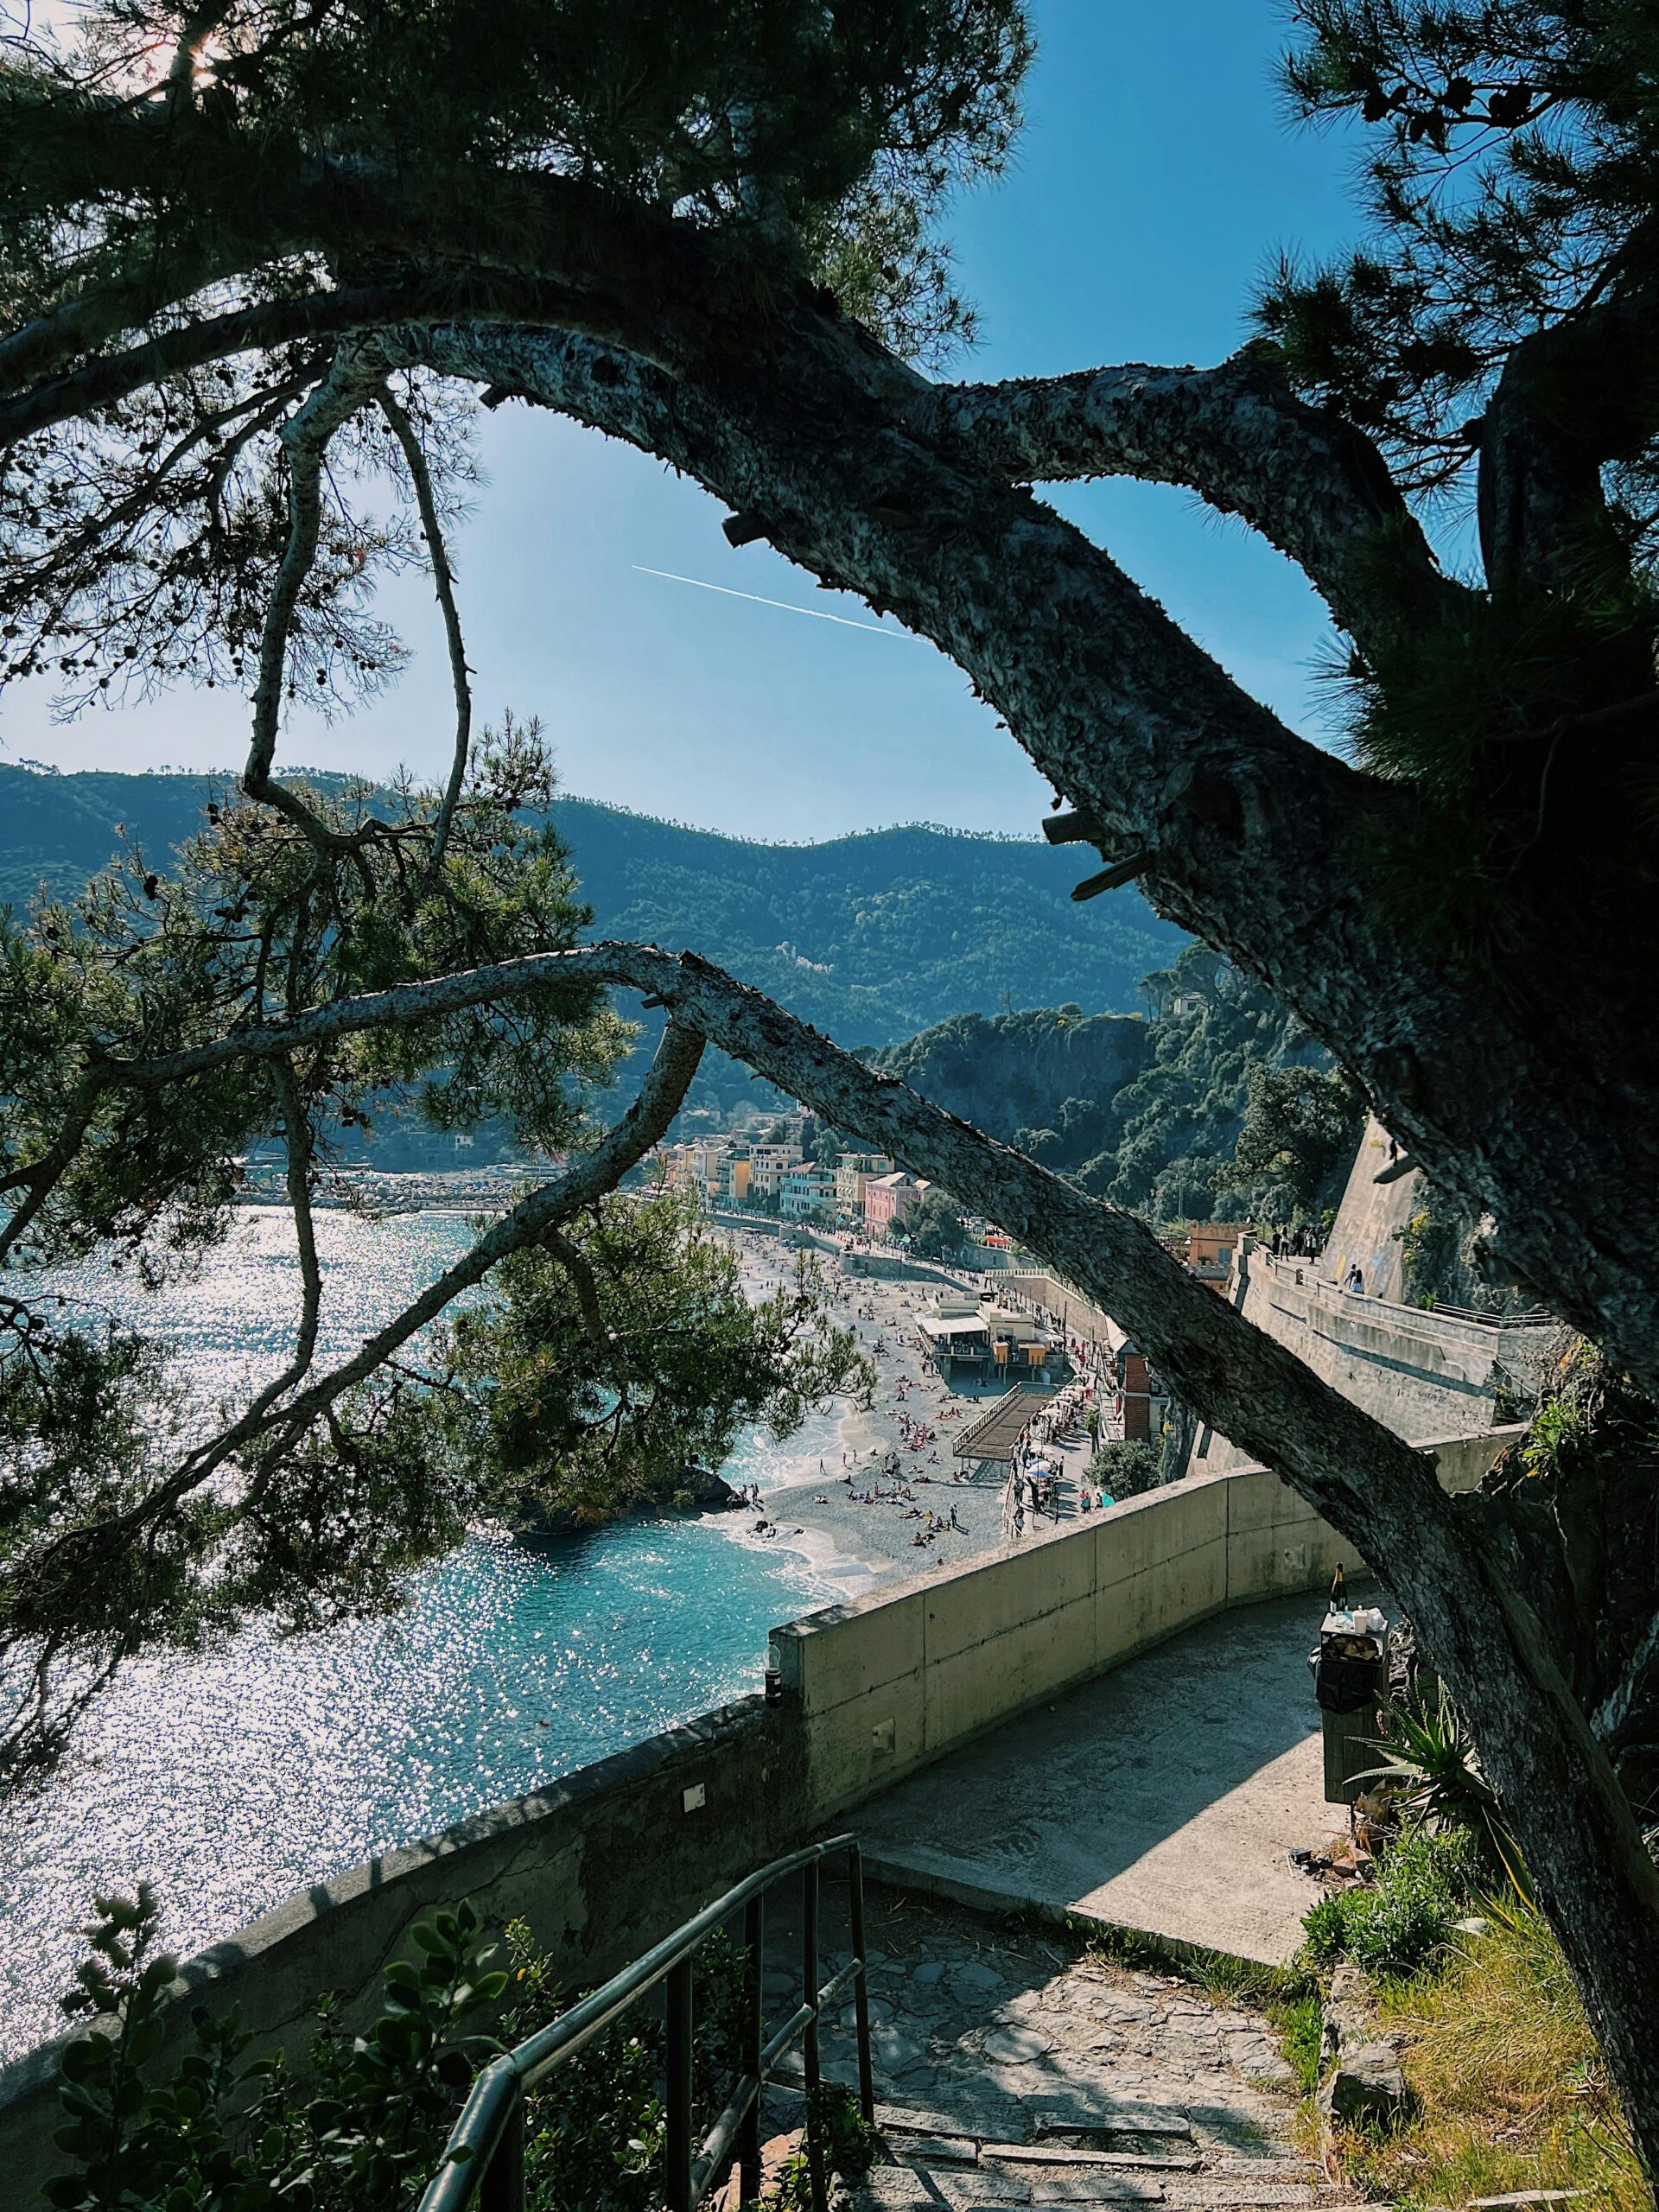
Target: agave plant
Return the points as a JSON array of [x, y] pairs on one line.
[[1434, 1767]]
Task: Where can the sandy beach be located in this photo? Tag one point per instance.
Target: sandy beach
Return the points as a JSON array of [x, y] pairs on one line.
[[855, 1526]]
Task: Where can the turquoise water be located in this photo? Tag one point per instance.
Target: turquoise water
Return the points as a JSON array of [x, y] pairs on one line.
[[233, 1777]]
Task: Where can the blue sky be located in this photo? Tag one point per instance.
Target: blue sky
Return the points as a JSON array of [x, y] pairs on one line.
[[1156, 178]]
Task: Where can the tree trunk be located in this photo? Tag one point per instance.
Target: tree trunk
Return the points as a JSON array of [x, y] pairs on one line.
[[1436, 1553]]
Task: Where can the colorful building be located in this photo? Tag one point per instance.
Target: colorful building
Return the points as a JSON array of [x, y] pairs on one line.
[[768, 1165], [1209, 1249], [854, 1171], [887, 1201], [807, 1194]]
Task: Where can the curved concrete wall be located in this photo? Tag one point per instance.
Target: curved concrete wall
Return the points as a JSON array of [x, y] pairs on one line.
[[607, 1861], [886, 1683]]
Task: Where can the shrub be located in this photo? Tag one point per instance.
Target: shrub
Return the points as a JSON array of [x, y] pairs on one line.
[[1512, 2093], [1424, 1885], [365, 2138], [1126, 1470], [847, 2146], [594, 2135], [1432, 1762], [368, 2132]]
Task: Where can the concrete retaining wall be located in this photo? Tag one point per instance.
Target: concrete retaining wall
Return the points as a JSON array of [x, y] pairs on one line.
[[1080, 1316], [1419, 1373], [886, 1683], [605, 1862], [601, 1864]]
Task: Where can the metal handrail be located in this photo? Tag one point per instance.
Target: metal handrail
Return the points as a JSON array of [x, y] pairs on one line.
[[484, 2159]]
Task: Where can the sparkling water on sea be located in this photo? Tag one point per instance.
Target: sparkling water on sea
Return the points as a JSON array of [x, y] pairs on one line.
[[233, 1777]]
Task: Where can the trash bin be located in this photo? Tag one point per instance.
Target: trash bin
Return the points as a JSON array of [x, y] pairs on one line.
[[1350, 1682]]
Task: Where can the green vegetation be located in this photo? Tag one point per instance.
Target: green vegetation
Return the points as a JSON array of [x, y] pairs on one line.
[[615, 1365], [1432, 1772], [1441, 1251], [1043, 1080], [848, 2146], [260, 261], [1428, 1882], [223, 2134], [934, 1229], [1296, 1143], [612, 1363], [1217, 1105], [594, 2134], [1181, 1119], [1508, 2090], [1509, 2093], [1126, 1469], [868, 938], [365, 2130], [1299, 2023], [1508, 155]]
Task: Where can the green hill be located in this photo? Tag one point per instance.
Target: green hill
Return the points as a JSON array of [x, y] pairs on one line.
[[870, 938], [1217, 1099], [1051, 1070]]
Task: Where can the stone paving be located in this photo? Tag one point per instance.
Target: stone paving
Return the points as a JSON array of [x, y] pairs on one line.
[[1015, 2067]]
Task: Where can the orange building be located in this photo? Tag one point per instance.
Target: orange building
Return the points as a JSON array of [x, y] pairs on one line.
[[1209, 1249]]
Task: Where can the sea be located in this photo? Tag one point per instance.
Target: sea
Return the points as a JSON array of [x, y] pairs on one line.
[[232, 1777]]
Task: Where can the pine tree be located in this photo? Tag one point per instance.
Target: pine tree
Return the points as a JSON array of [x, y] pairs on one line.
[[259, 261]]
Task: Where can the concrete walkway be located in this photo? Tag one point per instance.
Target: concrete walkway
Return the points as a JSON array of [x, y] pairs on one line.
[[1165, 1796]]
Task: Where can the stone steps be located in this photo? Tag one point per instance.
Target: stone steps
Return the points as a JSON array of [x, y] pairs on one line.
[[1074, 2157], [956, 2187]]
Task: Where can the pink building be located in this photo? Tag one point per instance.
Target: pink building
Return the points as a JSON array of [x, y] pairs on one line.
[[889, 1199]]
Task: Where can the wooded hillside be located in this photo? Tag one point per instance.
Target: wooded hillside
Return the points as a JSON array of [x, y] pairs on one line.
[[870, 938]]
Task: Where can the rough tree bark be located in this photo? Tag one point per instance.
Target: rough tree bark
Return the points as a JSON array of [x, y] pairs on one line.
[[1256, 840], [725, 364]]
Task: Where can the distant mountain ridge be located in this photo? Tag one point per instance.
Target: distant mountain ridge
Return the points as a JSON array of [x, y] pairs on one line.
[[871, 937]]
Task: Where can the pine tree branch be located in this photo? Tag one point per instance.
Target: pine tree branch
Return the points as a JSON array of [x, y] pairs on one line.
[[298, 1144], [1580, 393], [277, 1422], [1246, 1385], [352, 382], [590, 1176], [443, 586], [110, 378], [1238, 436]]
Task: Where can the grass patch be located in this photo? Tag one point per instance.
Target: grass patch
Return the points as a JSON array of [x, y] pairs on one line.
[[1253, 1988], [1299, 2023], [1127, 1947], [1512, 2094]]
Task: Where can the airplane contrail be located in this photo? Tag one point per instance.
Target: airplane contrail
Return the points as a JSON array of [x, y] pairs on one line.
[[816, 613]]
